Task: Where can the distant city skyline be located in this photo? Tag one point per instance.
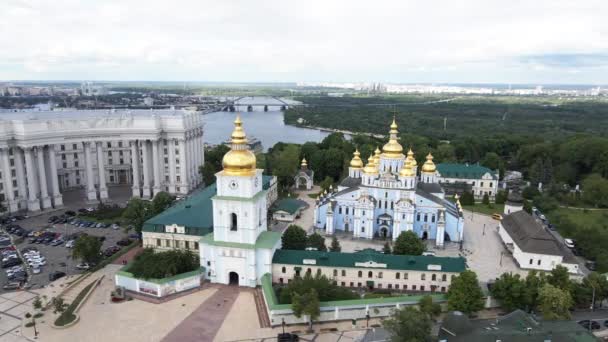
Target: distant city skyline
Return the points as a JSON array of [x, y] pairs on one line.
[[469, 42]]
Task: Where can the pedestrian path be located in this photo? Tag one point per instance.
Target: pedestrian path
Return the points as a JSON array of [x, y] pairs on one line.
[[70, 295], [203, 324]]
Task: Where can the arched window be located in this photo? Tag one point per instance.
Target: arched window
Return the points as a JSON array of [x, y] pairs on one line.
[[433, 277], [335, 273], [309, 271], [360, 274], [370, 274], [283, 269], [233, 222]]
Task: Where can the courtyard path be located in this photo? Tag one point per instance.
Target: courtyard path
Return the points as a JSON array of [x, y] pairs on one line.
[[205, 321]]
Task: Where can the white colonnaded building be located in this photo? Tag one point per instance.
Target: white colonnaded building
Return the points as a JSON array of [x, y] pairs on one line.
[[44, 153], [388, 196]]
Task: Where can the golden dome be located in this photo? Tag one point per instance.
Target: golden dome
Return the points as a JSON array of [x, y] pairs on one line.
[[393, 149], [410, 157], [429, 166], [377, 153], [407, 170], [371, 167], [239, 161], [356, 162], [304, 163]]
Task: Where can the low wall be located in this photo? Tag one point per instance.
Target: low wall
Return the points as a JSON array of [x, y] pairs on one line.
[[159, 287], [337, 310]]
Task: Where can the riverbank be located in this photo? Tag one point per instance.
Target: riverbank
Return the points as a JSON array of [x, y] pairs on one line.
[[335, 130]]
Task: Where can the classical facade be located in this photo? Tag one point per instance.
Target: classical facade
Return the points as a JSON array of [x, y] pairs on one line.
[[304, 178], [474, 178], [389, 196], [43, 154]]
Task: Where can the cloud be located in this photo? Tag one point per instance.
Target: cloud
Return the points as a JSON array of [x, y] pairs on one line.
[[397, 41]]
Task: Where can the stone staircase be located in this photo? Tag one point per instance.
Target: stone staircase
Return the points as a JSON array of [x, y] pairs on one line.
[[70, 295], [260, 305]]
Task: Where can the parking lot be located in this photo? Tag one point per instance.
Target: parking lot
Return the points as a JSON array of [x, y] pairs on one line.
[[58, 258]]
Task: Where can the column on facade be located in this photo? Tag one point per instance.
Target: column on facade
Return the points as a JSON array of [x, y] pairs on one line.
[[56, 195], [183, 167], [190, 156], [135, 168], [44, 193], [21, 183], [101, 169], [88, 160], [200, 152], [9, 191], [156, 166], [146, 158], [33, 204], [172, 166]]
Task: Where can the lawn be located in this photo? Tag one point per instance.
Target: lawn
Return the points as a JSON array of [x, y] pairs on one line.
[[583, 217]]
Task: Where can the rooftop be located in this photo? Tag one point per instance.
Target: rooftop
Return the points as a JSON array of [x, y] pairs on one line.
[[87, 114], [369, 258], [289, 205], [195, 212], [467, 171]]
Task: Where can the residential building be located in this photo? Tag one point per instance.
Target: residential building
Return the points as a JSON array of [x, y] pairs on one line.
[[457, 178]]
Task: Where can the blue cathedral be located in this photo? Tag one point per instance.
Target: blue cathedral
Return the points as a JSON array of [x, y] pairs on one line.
[[390, 195]]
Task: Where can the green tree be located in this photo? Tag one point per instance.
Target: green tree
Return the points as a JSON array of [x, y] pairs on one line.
[[595, 190], [554, 303], [307, 304], [37, 303], [486, 199], [87, 248], [294, 237], [335, 245], [467, 198], [158, 265], [161, 202], [136, 213], [464, 293], [509, 289], [387, 248], [59, 305], [325, 288], [492, 161], [317, 242], [408, 324], [594, 283], [534, 281], [408, 243], [284, 164], [326, 183], [560, 278], [213, 163], [501, 197], [430, 308]]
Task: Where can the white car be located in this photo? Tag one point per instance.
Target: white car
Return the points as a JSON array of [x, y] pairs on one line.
[[36, 270], [83, 266], [569, 243], [69, 244], [428, 253]]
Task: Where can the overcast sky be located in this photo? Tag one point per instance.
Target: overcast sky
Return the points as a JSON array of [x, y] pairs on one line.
[[469, 41]]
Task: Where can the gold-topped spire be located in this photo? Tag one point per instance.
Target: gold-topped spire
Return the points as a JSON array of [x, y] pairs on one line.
[[239, 161], [377, 153], [393, 149], [410, 157], [304, 163], [356, 162], [429, 166], [407, 170], [371, 167]]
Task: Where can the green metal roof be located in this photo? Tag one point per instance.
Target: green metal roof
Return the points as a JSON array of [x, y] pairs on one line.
[[290, 205], [266, 240], [195, 212], [393, 262], [467, 171]]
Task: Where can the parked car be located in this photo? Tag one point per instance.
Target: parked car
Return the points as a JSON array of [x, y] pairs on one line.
[[83, 266], [428, 253], [56, 275], [69, 244], [11, 286], [589, 325], [70, 213], [497, 216], [569, 243], [57, 242], [124, 242]]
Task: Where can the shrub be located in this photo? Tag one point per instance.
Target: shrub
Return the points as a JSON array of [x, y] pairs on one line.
[[160, 265], [29, 324], [326, 289]]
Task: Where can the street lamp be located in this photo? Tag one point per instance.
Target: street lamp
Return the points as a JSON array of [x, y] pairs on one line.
[[283, 324], [367, 319]]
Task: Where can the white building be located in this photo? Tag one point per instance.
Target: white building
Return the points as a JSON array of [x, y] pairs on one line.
[[44, 153], [457, 178], [532, 246]]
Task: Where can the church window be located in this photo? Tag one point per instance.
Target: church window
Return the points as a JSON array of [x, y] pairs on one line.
[[403, 216], [233, 222], [392, 205], [397, 275], [491, 184], [283, 269], [360, 274], [385, 204], [418, 217], [340, 210], [362, 229], [346, 210], [426, 217], [433, 218], [481, 184], [386, 195], [433, 277], [370, 274], [335, 273], [444, 277], [380, 204], [208, 263], [363, 212], [378, 220], [343, 273]]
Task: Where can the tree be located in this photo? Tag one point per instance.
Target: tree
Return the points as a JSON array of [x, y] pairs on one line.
[[136, 213], [501, 197], [387, 248], [408, 324], [595, 190], [213, 163], [59, 305], [509, 289], [583, 293], [430, 308], [37, 303], [335, 245], [87, 248], [486, 199], [534, 281], [294, 237], [464, 293], [325, 288], [158, 265], [161, 202], [306, 304], [560, 278], [467, 198], [554, 303], [317, 242], [408, 243]]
